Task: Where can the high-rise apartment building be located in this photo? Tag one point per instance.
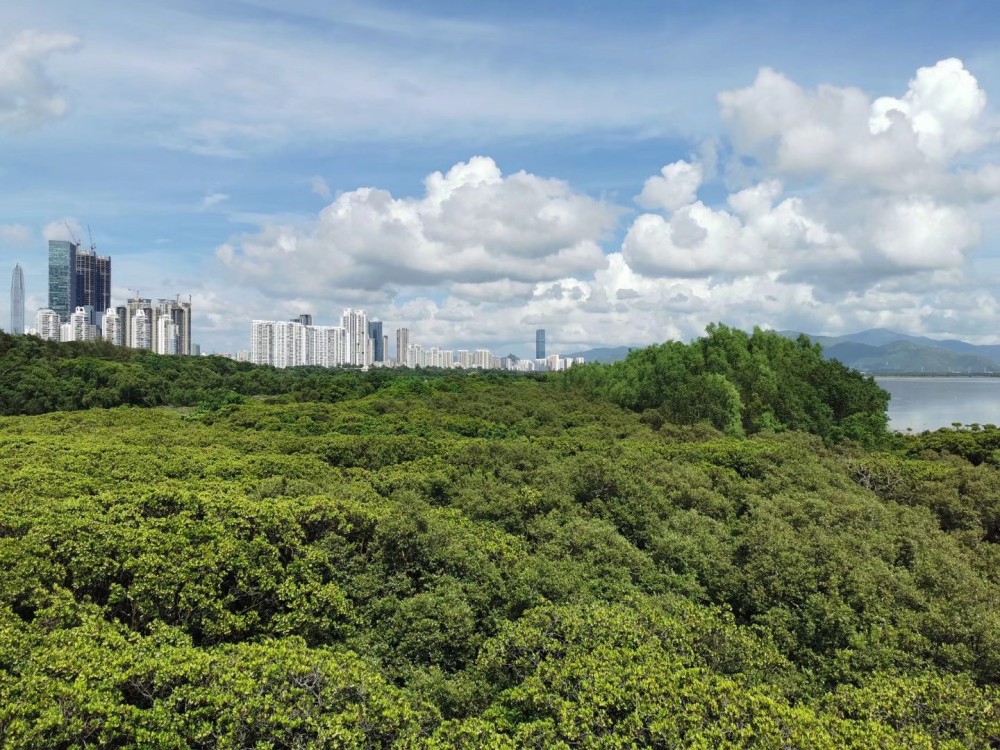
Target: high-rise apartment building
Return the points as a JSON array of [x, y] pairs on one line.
[[179, 314], [140, 330], [481, 359], [289, 350], [402, 345], [305, 319], [262, 342], [540, 343], [47, 324], [167, 336], [17, 300], [113, 327], [92, 278], [178, 325], [291, 344], [331, 346], [375, 334], [79, 326], [62, 278], [360, 347], [133, 306]]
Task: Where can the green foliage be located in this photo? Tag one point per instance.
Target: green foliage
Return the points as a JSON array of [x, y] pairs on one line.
[[38, 376], [743, 383], [468, 562]]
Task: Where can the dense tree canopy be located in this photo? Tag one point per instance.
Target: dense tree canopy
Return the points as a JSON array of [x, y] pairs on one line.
[[743, 383], [463, 561]]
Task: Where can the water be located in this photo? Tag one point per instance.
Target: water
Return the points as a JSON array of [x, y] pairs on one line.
[[929, 403]]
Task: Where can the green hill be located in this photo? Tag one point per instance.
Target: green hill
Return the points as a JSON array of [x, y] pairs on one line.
[[907, 357], [885, 352]]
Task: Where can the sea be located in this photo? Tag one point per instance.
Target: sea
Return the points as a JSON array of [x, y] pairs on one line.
[[920, 404]]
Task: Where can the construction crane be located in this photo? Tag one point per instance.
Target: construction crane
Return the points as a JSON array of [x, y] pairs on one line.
[[93, 247], [72, 234]]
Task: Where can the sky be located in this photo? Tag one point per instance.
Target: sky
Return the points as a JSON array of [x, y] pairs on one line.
[[616, 173]]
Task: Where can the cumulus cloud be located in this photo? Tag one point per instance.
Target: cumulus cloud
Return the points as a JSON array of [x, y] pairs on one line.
[[917, 233], [838, 211], [845, 211], [756, 236], [878, 194], [891, 143], [28, 96], [473, 226], [676, 186], [941, 108]]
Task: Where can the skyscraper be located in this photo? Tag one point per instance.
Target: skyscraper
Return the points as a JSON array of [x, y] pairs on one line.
[[402, 344], [132, 307], [359, 351], [62, 278], [375, 334], [179, 314], [540, 343], [92, 277], [17, 300], [167, 336]]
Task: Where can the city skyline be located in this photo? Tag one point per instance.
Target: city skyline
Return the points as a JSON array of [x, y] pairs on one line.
[[359, 342], [616, 178]]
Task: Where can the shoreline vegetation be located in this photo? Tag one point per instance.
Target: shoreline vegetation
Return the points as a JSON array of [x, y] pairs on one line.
[[715, 544]]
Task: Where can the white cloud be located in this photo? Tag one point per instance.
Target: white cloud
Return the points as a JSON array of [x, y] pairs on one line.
[[941, 108], [857, 218], [843, 226], [757, 237], [890, 143], [473, 226], [66, 228], [877, 230], [676, 186], [213, 199], [919, 234], [28, 97]]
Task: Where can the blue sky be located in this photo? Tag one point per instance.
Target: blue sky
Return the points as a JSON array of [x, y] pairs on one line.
[[271, 158]]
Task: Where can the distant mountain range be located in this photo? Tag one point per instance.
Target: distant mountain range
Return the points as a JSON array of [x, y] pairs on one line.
[[604, 354], [878, 351], [883, 352]]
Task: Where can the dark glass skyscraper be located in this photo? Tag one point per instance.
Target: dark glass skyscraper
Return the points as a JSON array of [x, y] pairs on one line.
[[17, 300], [93, 280], [62, 278], [375, 333], [540, 343]]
